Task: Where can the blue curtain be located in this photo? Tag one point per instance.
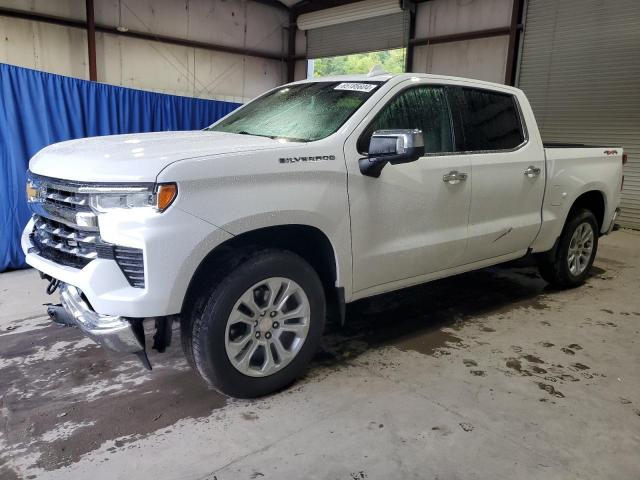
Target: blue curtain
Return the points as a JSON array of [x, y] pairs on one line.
[[38, 109]]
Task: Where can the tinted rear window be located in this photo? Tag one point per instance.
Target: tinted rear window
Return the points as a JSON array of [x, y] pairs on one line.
[[486, 120]]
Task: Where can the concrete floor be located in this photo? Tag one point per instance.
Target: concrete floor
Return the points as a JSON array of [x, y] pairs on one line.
[[487, 375]]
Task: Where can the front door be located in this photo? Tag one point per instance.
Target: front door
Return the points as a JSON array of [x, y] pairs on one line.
[[412, 220]]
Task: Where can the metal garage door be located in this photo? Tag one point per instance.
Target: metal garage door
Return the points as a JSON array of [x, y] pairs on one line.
[[355, 28], [580, 67]]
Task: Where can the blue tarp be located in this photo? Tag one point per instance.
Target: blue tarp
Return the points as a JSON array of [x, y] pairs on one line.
[[38, 109]]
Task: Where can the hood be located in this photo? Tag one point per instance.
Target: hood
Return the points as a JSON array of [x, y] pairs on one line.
[[136, 157]]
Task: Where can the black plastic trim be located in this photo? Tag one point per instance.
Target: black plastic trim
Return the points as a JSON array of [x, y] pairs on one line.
[[130, 260]]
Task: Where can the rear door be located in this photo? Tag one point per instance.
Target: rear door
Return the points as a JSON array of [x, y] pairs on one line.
[[508, 172]]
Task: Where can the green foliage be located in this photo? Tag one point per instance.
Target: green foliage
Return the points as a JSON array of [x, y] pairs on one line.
[[392, 61]]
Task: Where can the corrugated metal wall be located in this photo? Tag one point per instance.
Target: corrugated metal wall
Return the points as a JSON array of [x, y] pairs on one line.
[[354, 28], [367, 35], [580, 69], [348, 13]]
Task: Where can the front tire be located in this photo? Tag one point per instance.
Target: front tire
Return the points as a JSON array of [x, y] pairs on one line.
[[260, 325], [568, 265]]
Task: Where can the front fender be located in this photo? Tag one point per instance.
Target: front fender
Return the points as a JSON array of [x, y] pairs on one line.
[[241, 193]]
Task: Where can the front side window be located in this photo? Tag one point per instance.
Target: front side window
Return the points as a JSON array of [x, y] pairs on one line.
[[303, 113], [424, 108], [485, 120]]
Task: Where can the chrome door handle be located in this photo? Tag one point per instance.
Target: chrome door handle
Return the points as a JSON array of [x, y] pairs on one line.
[[532, 171], [454, 177]]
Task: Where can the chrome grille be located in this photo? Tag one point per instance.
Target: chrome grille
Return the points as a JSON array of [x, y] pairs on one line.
[[65, 198], [49, 234], [66, 229], [63, 202]]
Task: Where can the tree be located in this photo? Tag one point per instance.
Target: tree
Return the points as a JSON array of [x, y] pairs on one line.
[[391, 61]]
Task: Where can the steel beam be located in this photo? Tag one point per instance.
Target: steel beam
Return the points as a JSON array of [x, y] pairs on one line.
[[514, 33], [91, 41], [459, 37], [408, 55], [291, 53]]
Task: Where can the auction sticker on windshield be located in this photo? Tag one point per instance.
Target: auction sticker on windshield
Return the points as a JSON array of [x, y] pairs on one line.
[[356, 87]]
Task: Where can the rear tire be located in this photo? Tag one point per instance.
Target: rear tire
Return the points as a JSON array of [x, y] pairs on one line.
[[233, 337], [569, 263]]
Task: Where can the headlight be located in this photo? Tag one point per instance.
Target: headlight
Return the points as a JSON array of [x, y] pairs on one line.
[[105, 202], [158, 198]]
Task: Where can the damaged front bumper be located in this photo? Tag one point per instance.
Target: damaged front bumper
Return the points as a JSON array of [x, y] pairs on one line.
[[113, 332]]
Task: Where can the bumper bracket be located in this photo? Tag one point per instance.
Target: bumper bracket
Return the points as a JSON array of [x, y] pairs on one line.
[[58, 314]]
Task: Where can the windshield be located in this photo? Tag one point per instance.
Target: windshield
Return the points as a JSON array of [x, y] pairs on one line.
[[303, 113]]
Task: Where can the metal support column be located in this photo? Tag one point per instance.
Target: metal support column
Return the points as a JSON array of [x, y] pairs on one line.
[[91, 41]]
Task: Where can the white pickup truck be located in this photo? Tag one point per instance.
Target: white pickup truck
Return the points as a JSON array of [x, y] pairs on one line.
[[313, 195]]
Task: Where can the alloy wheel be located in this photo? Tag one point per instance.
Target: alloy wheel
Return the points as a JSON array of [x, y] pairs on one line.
[[267, 327], [580, 248]]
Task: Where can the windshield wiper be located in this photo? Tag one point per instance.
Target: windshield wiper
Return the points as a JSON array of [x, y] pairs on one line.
[[272, 137], [293, 139], [244, 132]]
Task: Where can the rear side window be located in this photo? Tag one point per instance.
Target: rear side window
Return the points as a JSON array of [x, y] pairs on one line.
[[485, 120], [424, 108]]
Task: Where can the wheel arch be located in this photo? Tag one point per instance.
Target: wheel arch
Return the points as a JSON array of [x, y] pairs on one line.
[[594, 200], [309, 242]]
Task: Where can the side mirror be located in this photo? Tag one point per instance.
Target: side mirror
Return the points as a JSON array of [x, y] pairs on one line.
[[391, 146]]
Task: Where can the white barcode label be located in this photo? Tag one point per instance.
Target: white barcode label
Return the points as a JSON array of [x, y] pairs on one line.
[[356, 87]]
